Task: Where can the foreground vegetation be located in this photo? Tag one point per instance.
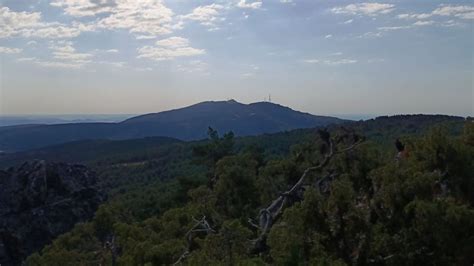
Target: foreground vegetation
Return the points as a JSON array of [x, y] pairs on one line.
[[344, 196]]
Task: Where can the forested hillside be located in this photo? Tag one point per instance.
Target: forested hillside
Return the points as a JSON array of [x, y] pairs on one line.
[[389, 191], [188, 123]]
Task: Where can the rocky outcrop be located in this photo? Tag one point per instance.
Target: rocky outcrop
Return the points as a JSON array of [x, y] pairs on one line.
[[39, 201]]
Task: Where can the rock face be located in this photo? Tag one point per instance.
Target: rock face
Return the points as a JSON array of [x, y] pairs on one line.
[[39, 201]]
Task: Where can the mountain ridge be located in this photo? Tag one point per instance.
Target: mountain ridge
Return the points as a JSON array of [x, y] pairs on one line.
[[187, 123]]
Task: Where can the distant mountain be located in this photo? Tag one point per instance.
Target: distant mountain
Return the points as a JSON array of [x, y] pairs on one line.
[[14, 120], [189, 123]]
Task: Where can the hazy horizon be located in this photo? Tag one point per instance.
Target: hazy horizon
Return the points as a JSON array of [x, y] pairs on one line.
[[320, 57], [350, 116]]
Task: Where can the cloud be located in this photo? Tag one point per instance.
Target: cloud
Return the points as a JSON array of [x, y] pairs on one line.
[[64, 56], [206, 15], [112, 51], [424, 23], [370, 35], [311, 61], [173, 42], [26, 59], [328, 36], [414, 16], [451, 23], [286, 1], [83, 8], [150, 17], [349, 21], [340, 62], [29, 24], [404, 27], [168, 49], [54, 64], [8, 50], [64, 50], [253, 5], [463, 12], [368, 9], [193, 66], [113, 64], [458, 11], [337, 62], [392, 28], [145, 37]]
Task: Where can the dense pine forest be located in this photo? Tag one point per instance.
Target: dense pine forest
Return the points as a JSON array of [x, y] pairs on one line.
[[387, 191]]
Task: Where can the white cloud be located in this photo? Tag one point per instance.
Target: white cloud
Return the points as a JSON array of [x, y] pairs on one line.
[[336, 62], [404, 27], [168, 49], [10, 20], [112, 51], [340, 62], [113, 64], [349, 21], [463, 12], [252, 5], [52, 32], [414, 16], [29, 24], [83, 8], [423, 23], [392, 28], [150, 17], [145, 37], [311, 61], [206, 15], [26, 59], [193, 66], [53, 64], [458, 11], [368, 9], [173, 42], [286, 1], [63, 50], [8, 50], [370, 35], [328, 36], [64, 56], [451, 23]]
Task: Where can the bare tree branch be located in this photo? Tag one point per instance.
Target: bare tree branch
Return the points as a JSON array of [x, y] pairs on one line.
[[201, 226], [268, 215]]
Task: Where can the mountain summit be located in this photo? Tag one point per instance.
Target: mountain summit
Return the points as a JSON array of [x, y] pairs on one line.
[[188, 123]]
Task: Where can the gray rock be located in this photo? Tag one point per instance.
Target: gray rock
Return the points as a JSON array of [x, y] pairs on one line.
[[39, 201]]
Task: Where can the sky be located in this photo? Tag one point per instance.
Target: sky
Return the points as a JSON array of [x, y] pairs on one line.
[[322, 57]]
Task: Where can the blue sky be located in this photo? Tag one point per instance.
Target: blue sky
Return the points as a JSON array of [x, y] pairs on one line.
[[322, 57]]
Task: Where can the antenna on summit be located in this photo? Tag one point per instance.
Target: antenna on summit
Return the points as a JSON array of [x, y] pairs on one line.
[[269, 98]]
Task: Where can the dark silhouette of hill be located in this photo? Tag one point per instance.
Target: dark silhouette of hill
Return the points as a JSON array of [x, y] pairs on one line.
[[189, 123]]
